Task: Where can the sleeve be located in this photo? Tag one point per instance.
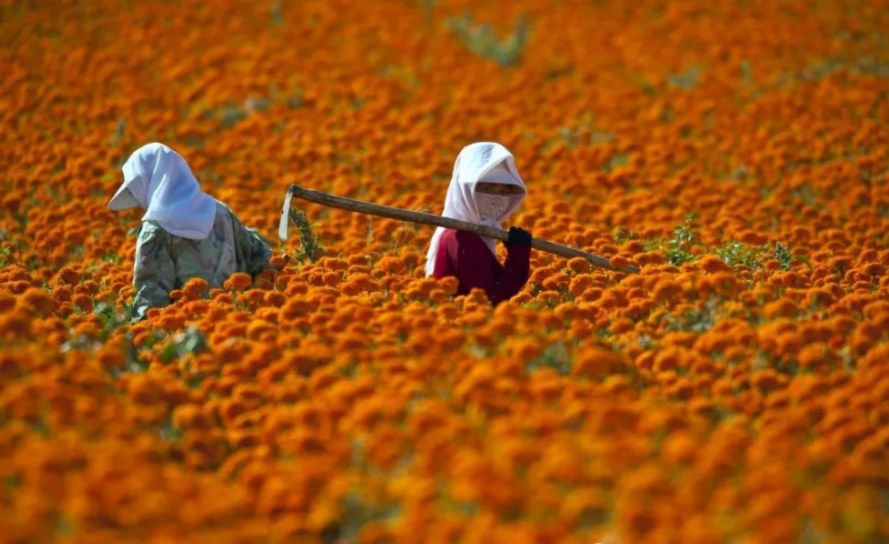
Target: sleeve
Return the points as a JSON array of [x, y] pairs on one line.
[[253, 252], [476, 266], [154, 272], [442, 266]]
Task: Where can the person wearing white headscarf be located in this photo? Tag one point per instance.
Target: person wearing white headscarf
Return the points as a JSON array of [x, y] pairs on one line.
[[485, 188], [185, 233]]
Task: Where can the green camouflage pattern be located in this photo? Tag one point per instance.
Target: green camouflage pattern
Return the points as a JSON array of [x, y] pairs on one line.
[[165, 262]]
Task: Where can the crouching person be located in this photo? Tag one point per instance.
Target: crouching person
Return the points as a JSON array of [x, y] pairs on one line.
[[185, 233], [486, 189]]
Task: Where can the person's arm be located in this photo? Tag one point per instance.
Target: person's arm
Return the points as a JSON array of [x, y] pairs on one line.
[[477, 267], [518, 257], [154, 272], [251, 248], [443, 257]]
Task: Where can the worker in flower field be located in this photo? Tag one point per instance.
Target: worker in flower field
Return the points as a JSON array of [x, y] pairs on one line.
[[485, 188], [185, 233]]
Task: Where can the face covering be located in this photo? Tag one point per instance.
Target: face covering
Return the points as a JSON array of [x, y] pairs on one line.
[[491, 207]]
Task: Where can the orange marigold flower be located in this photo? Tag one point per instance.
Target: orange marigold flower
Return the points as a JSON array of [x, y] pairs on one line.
[[7, 300], [82, 301], [780, 307], [278, 261], [67, 276], [597, 361], [37, 301], [712, 263], [195, 287], [579, 265], [238, 281]]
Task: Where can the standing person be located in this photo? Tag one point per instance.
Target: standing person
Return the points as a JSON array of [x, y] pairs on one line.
[[485, 188], [185, 232]]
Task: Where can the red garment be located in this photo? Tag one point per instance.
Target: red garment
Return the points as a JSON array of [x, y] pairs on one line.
[[465, 255]]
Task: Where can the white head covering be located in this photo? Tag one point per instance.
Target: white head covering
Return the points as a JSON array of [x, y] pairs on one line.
[[158, 179], [481, 161]]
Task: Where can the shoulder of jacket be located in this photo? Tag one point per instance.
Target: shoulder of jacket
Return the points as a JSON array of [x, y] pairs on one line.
[[222, 208], [152, 237], [224, 213], [448, 237], [465, 236], [152, 229]]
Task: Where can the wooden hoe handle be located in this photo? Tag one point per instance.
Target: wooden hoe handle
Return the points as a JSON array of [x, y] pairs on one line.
[[380, 210]]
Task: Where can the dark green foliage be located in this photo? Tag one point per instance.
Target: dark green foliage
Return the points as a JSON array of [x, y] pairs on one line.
[[481, 40]]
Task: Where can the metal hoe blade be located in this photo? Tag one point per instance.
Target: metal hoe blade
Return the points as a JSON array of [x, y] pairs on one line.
[[285, 217]]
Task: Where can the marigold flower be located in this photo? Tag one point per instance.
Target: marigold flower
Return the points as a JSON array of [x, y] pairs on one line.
[[278, 261], [238, 281], [596, 362], [195, 287], [83, 302], [37, 301]]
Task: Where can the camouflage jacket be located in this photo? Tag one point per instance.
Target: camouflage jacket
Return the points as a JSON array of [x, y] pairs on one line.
[[165, 262]]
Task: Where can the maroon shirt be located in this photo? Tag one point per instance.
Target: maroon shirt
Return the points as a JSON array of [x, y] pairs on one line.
[[465, 255]]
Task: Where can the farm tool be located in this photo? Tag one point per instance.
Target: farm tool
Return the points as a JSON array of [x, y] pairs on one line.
[[390, 212]]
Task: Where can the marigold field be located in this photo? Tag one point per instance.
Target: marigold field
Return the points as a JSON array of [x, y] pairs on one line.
[[736, 390]]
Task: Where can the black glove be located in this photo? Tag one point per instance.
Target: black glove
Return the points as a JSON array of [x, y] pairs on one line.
[[518, 236]]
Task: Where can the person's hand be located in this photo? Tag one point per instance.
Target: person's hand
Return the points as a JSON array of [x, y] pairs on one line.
[[518, 236]]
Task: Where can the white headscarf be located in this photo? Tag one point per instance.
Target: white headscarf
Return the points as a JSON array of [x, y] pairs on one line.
[[482, 161], [158, 179]]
